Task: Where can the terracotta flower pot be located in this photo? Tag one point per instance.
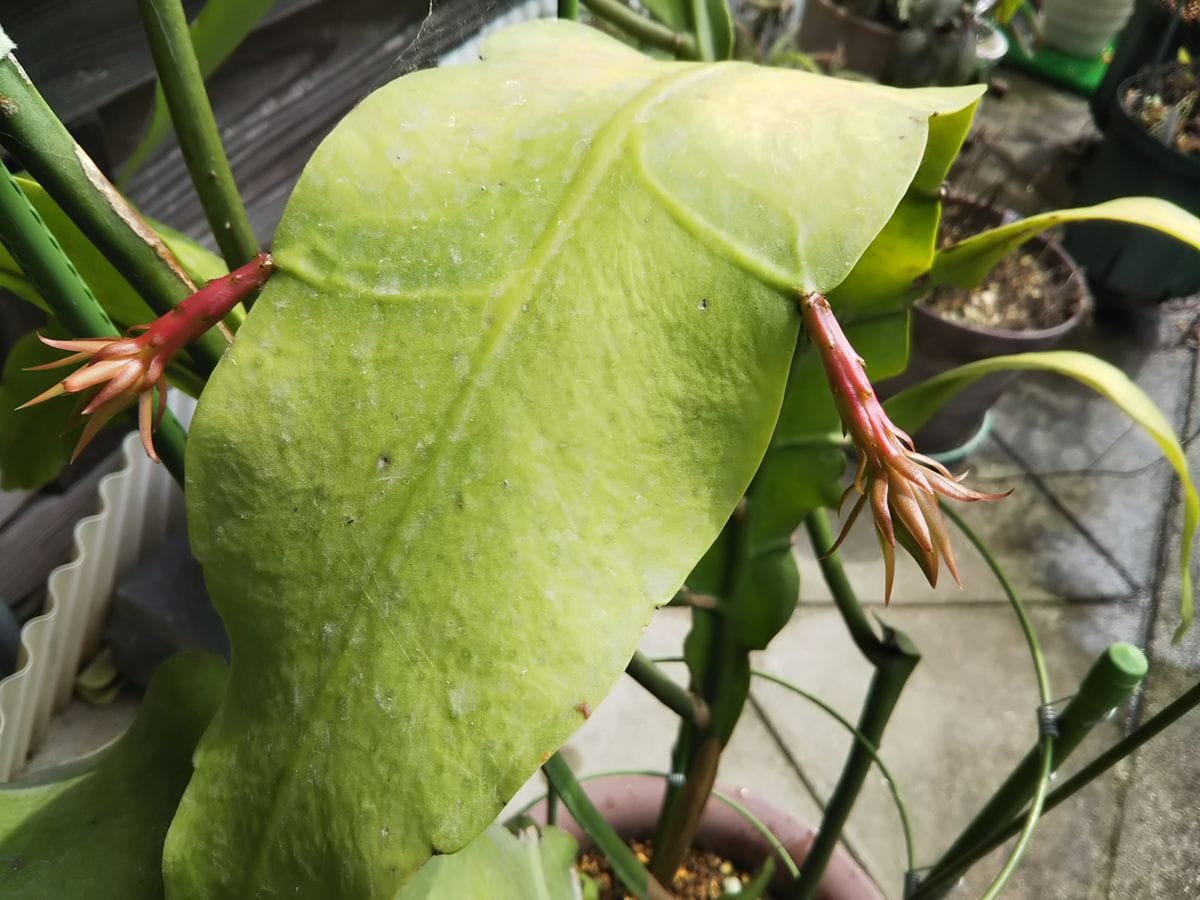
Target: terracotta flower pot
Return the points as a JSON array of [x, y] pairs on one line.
[[631, 804], [940, 343]]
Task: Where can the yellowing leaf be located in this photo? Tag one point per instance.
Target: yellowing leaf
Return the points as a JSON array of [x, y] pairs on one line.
[[524, 350], [911, 408]]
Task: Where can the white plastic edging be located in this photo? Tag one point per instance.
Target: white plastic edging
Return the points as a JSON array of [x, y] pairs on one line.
[[138, 505]]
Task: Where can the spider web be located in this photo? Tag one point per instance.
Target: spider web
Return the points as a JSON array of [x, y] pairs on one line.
[[452, 31]]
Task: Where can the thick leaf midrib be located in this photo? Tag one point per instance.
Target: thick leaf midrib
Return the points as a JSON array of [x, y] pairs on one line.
[[605, 150], [711, 236]]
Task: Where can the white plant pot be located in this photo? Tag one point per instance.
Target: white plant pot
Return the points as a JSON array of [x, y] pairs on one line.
[[1083, 28]]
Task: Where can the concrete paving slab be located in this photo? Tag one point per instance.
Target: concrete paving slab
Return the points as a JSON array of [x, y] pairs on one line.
[[1055, 424], [966, 717], [1157, 853]]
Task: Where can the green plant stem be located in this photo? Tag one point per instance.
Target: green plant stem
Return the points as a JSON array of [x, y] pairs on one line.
[[723, 682], [894, 657], [551, 803], [47, 267], [703, 25], [898, 657], [568, 9], [624, 863], [1046, 738], [183, 87], [34, 135], [910, 851], [820, 534], [660, 685], [1109, 683], [755, 822], [1045, 770], [1169, 714], [681, 818], [643, 29]]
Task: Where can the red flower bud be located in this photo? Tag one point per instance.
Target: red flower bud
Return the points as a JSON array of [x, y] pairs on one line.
[[130, 368], [901, 484]]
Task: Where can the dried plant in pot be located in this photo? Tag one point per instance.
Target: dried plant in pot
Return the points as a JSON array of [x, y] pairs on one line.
[[1033, 299]]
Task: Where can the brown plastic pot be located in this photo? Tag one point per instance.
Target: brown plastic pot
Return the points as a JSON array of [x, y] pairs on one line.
[[939, 343], [631, 804], [868, 47]]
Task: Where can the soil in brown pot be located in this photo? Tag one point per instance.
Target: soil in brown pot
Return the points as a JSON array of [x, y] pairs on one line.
[[1027, 291], [702, 875], [1164, 103]]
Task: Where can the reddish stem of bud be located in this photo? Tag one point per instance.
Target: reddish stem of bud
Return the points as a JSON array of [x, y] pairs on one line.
[[208, 306], [130, 368]]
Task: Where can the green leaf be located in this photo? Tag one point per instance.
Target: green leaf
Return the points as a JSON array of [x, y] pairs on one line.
[[515, 369], [968, 262], [115, 294], [761, 883], [910, 409], [712, 23], [201, 264], [675, 13], [34, 443], [498, 865], [216, 32], [709, 20], [97, 832]]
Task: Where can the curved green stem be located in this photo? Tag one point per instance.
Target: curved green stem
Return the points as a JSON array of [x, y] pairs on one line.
[[624, 863], [910, 851], [1046, 736], [568, 9], [680, 701], [820, 534], [1109, 683], [47, 267], [183, 87], [1183, 704], [887, 683], [645, 30], [1031, 820], [894, 657]]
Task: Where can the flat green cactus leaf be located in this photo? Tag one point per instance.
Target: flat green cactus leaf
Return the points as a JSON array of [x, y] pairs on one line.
[[34, 446], [96, 832], [500, 865], [525, 348]]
